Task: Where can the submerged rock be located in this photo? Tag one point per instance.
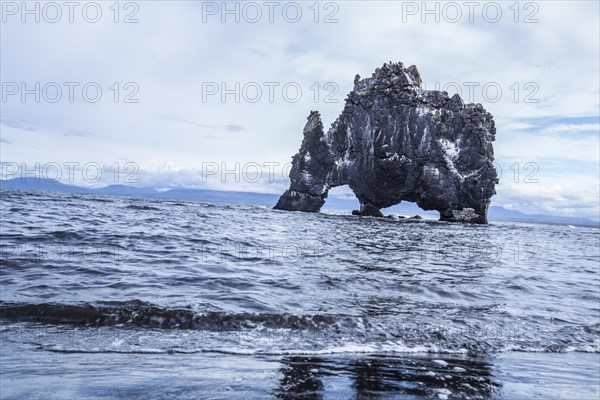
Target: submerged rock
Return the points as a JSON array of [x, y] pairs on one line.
[[396, 142]]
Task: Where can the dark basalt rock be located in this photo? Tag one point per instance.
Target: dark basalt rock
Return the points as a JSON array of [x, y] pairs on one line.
[[396, 142]]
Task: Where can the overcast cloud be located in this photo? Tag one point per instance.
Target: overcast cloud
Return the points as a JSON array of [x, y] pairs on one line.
[[162, 70]]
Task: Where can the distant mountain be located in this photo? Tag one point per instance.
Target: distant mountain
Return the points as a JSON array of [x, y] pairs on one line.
[[496, 213], [260, 199], [121, 190], [47, 185], [50, 185]]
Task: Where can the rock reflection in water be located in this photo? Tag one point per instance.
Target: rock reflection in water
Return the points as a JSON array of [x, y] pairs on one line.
[[381, 377]]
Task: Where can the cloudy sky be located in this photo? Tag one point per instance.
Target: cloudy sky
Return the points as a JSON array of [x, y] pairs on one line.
[[174, 94]]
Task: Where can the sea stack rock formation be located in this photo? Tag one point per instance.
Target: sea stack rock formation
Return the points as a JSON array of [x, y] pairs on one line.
[[394, 142]]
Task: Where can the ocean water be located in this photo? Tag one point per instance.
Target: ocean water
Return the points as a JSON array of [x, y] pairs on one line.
[[112, 297]]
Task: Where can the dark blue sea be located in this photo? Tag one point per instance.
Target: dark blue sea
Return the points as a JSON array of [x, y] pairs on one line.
[[115, 297]]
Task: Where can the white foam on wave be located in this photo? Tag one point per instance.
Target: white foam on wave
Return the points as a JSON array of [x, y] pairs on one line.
[[442, 393], [589, 348], [349, 348]]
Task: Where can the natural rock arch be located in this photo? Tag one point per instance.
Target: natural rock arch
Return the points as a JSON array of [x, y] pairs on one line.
[[396, 142]]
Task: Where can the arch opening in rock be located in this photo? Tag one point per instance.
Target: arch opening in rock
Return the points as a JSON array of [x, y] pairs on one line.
[[410, 209], [341, 198]]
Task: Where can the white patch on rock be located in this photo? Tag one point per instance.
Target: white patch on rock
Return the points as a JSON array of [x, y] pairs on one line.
[[425, 134], [422, 111], [450, 148], [431, 171], [307, 177]]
